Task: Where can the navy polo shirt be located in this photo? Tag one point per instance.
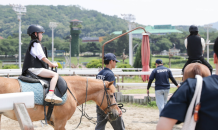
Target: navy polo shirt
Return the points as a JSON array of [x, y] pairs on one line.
[[161, 75], [177, 106], [107, 75]]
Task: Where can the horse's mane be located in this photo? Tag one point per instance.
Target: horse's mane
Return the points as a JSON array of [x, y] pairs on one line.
[[108, 85]]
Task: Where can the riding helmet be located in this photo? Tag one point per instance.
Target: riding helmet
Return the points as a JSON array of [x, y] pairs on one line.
[[35, 28], [193, 28]]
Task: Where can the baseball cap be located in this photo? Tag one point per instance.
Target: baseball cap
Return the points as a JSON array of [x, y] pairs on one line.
[[159, 61], [110, 56]]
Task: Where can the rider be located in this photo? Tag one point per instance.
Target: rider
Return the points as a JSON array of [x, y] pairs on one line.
[[36, 61], [195, 48]]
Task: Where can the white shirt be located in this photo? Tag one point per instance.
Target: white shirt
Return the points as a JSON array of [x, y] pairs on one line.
[[202, 43], [36, 51]]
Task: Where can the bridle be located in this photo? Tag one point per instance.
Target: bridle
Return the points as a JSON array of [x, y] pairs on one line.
[[108, 98], [83, 109]]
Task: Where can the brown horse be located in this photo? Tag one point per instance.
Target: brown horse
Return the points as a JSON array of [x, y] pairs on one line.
[[195, 68], [62, 113]]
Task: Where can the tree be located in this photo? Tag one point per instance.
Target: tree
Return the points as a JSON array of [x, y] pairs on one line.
[[92, 47], [123, 43]]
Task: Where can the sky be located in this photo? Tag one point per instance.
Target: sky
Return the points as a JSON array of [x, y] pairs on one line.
[[146, 12]]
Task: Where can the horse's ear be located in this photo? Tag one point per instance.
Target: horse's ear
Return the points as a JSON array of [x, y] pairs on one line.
[[214, 58], [110, 83]]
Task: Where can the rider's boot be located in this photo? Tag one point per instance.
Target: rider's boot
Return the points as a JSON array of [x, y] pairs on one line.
[[53, 98]]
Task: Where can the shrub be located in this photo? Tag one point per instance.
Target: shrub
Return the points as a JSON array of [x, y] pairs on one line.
[[124, 66], [94, 64], [10, 67], [0, 61], [152, 104]]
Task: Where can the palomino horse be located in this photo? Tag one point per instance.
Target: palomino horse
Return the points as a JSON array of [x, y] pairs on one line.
[[61, 114], [195, 68]]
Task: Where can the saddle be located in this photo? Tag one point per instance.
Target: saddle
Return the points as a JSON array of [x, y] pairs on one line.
[[196, 61], [60, 89]]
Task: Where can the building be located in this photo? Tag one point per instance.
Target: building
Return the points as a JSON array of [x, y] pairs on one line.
[[90, 39], [156, 30]]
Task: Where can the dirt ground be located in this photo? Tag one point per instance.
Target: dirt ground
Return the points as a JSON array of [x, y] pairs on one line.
[[135, 118]]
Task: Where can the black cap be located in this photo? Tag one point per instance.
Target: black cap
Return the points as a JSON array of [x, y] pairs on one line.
[[159, 61], [193, 28], [110, 56], [35, 28]]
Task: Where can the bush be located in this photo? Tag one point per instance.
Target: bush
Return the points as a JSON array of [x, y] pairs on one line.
[[10, 67], [161, 56], [124, 66], [152, 104], [94, 64], [0, 61]]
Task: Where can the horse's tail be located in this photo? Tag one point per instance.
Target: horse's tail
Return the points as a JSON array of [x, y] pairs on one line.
[[197, 70]]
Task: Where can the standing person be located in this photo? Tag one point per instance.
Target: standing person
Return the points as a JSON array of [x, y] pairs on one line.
[[176, 108], [106, 74], [36, 61], [162, 86], [195, 46]]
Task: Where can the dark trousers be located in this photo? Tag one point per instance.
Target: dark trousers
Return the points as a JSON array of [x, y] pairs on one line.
[[117, 124], [203, 61]]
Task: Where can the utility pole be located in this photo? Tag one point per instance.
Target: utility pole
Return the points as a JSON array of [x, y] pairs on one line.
[[52, 25], [207, 41], [130, 18], [20, 10]]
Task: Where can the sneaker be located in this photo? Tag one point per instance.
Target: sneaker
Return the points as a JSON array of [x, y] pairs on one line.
[[53, 98]]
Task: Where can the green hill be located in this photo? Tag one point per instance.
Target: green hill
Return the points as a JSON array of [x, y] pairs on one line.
[[94, 23]]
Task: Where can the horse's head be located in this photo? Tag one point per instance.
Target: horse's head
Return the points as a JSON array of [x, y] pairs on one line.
[[107, 101]]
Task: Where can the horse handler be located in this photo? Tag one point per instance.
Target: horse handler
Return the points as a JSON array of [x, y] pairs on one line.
[[161, 74], [106, 74]]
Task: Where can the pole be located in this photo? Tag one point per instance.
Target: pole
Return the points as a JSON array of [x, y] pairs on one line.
[[130, 45], [114, 39], [19, 18], [52, 48]]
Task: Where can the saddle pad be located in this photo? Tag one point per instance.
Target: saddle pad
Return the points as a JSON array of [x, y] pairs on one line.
[[38, 92]]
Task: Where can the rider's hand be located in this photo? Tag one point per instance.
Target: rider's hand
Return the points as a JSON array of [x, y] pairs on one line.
[[120, 112], [53, 65]]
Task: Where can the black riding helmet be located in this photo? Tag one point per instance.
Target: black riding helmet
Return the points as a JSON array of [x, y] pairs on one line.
[[193, 28], [35, 28]]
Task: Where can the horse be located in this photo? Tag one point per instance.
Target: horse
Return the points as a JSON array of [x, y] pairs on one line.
[[94, 91], [195, 68]]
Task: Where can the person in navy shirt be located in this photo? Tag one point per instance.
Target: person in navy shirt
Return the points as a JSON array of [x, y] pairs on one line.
[[162, 86], [107, 75], [176, 108]]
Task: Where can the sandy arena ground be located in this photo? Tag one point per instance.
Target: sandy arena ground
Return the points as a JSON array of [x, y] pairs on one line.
[[136, 118]]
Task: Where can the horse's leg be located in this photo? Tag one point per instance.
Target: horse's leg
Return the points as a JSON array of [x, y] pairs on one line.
[[60, 124]]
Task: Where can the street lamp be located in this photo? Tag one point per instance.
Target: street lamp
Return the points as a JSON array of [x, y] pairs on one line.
[[207, 41], [130, 18], [52, 25], [20, 10]]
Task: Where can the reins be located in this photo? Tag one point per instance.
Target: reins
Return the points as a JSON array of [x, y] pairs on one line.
[[83, 109]]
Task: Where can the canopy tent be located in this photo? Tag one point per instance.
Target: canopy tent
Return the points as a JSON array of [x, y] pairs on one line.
[[145, 55]]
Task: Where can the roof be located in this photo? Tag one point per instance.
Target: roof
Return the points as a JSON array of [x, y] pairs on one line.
[[157, 29], [1, 37], [75, 20]]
